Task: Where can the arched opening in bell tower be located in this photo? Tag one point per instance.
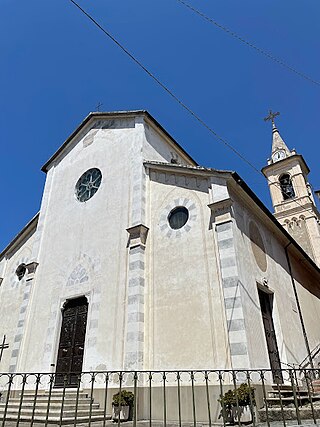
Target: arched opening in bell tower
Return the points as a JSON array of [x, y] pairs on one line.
[[286, 186]]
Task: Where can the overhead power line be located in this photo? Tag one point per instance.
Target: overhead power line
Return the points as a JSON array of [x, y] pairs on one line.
[[175, 97], [164, 87], [263, 52]]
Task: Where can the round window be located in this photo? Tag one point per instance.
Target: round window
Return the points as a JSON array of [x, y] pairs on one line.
[[178, 217], [21, 271], [88, 184]]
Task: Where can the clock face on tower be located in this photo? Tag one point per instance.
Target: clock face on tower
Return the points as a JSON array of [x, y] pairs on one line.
[[278, 155]]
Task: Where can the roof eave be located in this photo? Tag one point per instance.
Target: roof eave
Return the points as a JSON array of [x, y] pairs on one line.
[[31, 225]]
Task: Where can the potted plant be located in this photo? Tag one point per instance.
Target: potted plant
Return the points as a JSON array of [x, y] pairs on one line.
[[122, 404], [231, 412]]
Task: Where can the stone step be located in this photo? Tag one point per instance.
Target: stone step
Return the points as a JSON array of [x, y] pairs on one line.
[[29, 407], [282, 386], [69, 406], [302, 400], [288, 393], [56, 419], [45, 399], [52, 413], [55, 392], [276, 414]]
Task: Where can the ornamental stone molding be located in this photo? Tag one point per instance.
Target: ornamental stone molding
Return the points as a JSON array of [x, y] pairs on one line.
[[137, 235], [221, 210], [31, 270]]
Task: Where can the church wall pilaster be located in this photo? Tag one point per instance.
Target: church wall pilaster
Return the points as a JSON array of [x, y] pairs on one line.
[[134, 340], [22, 319], [223, 223]]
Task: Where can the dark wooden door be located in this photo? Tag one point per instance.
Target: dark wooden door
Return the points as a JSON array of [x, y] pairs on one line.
[[266, 311], [71, 345]]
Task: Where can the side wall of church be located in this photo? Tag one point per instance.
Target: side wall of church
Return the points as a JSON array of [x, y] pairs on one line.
[[14, 302], [307, 287], [185, 318], [266, 268]]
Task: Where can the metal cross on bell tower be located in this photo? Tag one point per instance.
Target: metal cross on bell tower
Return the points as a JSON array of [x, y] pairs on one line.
[[271, 116]]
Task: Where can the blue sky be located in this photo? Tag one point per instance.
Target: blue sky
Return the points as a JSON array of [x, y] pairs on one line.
[[56, 67]]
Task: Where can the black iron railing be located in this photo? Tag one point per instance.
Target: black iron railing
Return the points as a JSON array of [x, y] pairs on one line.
[[148, 398]]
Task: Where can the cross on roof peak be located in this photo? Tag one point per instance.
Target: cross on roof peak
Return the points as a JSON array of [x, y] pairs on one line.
[[99, 105]]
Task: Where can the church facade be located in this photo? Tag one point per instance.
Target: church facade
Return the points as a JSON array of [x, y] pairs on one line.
[[140, 259]]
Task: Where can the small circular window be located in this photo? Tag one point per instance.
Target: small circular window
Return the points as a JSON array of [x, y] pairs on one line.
[[21, 271], [178, 217], [88, 184]]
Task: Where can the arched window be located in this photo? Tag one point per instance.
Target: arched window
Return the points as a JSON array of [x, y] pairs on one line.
[[286, 187]]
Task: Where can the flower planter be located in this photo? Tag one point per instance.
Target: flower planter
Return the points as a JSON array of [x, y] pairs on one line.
[[245, 414], [122, 412]]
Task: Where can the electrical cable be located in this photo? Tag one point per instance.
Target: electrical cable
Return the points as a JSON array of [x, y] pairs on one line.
[[175, 97], [250, 44]]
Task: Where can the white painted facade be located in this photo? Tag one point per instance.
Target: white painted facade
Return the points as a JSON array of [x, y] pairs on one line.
[[158, 298]]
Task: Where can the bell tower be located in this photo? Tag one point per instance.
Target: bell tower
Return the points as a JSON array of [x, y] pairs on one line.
[[291, 194]]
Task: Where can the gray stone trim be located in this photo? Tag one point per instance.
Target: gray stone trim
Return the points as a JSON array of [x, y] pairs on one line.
[[134, 299], [230, 282], [134, 341], [136, 281], [236, 325], [136, 265], [226, 243], [233, 302], [163, 220], [135, 317], [238, 348], [229, 261], [137, 250], [224, 226], [135, 336], [232, 295]]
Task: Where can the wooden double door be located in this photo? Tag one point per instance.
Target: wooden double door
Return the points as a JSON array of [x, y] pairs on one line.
[[274, 357], [71, 344]]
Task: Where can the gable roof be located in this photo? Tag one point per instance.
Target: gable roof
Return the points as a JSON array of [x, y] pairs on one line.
[[99, 115]]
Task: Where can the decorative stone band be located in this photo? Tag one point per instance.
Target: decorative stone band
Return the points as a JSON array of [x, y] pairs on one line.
[[164, 223], [31, 269], [135, 303], [232, 296]]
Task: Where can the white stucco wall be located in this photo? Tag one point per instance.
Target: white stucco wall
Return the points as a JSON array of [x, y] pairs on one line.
[[185, 318], [81, 248], [14, 300]]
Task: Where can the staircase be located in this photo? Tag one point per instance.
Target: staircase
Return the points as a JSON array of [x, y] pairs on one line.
[[286, 403], [58, 409]]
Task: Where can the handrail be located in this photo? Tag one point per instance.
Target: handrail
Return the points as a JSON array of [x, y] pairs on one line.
[[315, 351]]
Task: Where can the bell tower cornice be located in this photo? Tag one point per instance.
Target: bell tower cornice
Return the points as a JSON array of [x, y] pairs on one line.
[[288, 162]]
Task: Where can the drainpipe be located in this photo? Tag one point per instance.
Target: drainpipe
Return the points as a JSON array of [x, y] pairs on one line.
[[299, 307]]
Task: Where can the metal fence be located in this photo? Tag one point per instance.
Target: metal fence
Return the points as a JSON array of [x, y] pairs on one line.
[[161, 398]]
